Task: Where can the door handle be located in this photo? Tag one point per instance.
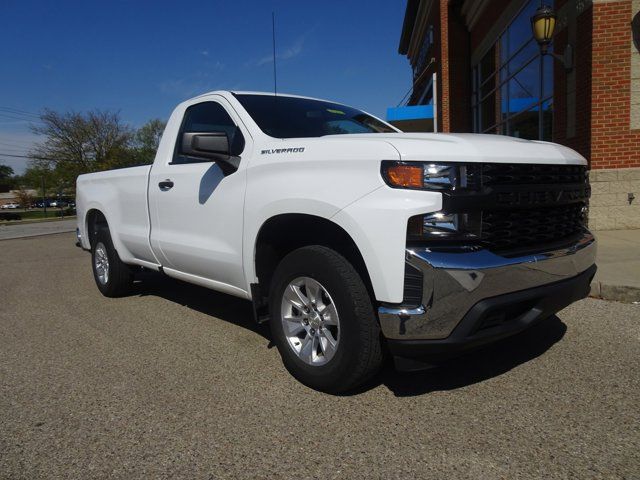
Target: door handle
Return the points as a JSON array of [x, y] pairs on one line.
[[166, 185]]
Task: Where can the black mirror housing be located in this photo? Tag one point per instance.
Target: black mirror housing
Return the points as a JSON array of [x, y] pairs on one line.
[[205, 145], [210, 147]]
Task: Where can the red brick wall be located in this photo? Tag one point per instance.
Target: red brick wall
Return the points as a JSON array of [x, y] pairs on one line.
[[583, 52], [439, 52], [454, 69], [436, 52], [613, 144], [444, 94], [459, 72], [581, 140]]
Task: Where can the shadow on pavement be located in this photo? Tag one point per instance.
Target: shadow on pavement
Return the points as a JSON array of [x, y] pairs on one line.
[[472, 368], [477, 366], [225, 307]]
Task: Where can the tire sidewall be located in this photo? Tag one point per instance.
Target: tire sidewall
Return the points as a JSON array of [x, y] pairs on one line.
[[314, 265], [102, 236]]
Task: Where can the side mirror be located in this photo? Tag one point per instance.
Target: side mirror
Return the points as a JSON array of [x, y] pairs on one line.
[[205, 145], [213, 146]]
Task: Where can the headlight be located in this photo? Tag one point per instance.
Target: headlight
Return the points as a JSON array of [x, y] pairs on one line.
[[445, 226], [428, 176], [438, 177]]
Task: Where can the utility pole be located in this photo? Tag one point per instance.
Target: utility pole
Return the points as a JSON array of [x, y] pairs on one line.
[[44, 199], [273, 31], [60, 203]]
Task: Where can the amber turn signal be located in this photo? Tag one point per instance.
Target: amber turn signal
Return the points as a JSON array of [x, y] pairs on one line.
[[407, 176]]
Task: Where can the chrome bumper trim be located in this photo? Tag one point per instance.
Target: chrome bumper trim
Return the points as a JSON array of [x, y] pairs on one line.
[[455, 282]]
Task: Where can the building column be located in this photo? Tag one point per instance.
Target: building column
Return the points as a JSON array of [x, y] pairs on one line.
[[615, 122]]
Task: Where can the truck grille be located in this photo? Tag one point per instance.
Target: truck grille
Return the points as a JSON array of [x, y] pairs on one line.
[[524, 207], [535, 205], [505, 231], [494, 174]]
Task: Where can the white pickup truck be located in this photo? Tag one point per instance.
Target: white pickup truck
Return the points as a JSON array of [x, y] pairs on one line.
[[351, 238]]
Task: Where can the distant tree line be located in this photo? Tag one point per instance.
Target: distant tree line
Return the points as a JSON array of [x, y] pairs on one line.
[[76, 143], [6, 173]]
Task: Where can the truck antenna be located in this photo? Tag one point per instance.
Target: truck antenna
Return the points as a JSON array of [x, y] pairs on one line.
[[273, 30]]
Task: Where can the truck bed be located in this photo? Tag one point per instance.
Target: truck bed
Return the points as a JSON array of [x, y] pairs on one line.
[[124, 192]]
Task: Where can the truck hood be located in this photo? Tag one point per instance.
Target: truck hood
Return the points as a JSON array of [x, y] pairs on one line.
[[470, 147]]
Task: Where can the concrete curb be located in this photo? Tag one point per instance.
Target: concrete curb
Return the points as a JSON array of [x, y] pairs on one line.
[[35, 220], [618, 293], [37, 229], [31, 235]]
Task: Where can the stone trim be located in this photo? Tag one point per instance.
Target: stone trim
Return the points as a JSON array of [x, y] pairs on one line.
[[609, 207]]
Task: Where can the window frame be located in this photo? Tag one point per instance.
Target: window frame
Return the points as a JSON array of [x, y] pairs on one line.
[[239, 96], [501, 76], [181, 130]]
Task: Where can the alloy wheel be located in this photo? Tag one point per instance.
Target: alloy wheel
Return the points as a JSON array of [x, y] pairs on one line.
[[310, 321]]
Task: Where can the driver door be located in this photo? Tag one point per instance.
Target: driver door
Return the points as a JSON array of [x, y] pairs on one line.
[[196, 204]]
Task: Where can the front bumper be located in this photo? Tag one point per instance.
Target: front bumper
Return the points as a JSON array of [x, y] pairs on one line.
[[471, 295]]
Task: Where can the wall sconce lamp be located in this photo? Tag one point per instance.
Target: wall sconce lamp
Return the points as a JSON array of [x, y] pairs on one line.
[[543, 25]]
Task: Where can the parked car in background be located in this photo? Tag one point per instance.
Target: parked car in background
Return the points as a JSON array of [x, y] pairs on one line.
[[11, 205], [42, 203], [62, 203]]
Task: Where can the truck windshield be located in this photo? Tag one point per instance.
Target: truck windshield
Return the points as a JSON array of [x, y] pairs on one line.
[[290, 117]]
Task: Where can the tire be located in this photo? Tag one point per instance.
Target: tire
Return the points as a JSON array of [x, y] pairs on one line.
[[118, 279], [357, 354]]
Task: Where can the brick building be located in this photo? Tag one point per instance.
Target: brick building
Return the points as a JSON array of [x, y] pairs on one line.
[[477, 68]]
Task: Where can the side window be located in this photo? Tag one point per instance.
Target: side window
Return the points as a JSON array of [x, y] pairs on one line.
[[344, 126], [208, 117]]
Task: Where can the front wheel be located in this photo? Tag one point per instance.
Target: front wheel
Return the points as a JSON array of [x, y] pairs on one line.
[[323, 321]]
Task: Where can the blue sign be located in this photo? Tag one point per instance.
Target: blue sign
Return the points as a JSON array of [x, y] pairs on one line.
[[412, 112]]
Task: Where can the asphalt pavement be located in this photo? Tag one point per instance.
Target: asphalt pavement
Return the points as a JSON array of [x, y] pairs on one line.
[[176, 381], [35, 229]]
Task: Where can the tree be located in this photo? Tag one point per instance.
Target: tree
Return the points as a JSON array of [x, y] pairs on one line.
[[146, 141], [149, 135], [145, 144], [77, 143], [6, 172], [25, 198], [37, 174]]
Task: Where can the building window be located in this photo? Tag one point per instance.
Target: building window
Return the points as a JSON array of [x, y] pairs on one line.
[[423, 94], [513, 83]]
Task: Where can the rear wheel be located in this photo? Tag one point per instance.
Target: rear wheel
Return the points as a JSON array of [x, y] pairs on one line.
[[323, 320], [113, 277]]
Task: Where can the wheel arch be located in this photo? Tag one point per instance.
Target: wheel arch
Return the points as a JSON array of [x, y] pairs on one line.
[[94, 219], [283, 233]]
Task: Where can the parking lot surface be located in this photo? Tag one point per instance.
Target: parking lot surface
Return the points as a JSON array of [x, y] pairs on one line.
[[176, 381], [9, 231]]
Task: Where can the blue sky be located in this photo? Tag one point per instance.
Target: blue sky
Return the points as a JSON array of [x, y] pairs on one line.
[[142, 57]]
